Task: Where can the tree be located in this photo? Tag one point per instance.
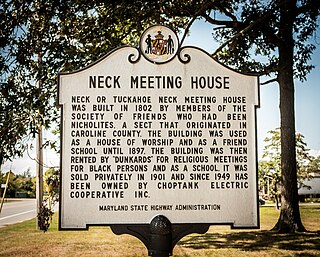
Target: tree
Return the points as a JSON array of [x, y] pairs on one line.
[[278, 31], [26, 184], [41, 38], [270, 165], [52, 189], [23, 104], [52, 186], [314, 165], [77, 32], [18, 184]]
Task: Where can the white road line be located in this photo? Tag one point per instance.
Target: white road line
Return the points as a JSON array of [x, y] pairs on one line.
[[7, 217]]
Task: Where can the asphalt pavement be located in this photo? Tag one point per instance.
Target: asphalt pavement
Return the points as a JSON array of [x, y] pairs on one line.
[[17, 210]]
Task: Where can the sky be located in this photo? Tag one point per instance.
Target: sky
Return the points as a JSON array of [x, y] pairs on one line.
[[307, 95], [307, 106]]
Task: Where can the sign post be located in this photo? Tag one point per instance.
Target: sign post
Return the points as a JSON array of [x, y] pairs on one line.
[[158, 142]]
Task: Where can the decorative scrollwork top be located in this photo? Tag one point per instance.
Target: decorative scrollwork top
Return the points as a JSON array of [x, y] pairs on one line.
[[184, 58], [134, 57]]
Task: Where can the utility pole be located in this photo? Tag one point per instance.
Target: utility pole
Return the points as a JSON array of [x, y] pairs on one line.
[[39, 173], [5, 190], [39, 158]]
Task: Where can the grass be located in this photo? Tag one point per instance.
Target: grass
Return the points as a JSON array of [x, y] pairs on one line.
[[24, 240]]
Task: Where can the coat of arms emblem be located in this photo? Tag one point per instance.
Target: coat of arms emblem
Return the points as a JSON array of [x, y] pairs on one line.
[[159, 44]]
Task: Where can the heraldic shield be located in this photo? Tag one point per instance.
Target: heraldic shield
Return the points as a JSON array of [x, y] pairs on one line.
[[159, 44]]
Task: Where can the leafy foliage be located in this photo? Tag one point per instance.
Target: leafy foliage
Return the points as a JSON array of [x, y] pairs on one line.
[[254, 37], [47, 208], [41, 38], [270, 165], [270, 38], [19, 184], [44, 216], [52, 183]]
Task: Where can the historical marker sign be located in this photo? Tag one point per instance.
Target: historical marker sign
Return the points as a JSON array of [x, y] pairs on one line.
[[158, 131]]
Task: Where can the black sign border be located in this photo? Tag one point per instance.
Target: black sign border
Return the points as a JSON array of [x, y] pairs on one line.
[[121, 228]]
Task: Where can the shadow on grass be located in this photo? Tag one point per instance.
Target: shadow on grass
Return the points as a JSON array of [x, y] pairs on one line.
[[255, 241]]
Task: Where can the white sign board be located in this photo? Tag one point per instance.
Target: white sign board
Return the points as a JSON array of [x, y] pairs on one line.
[[174, 136]]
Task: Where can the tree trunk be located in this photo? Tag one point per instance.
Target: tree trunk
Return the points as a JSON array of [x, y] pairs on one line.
[[289, 220]]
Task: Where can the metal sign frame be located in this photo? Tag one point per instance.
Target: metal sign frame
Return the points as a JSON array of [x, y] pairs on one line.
[[159, 228]]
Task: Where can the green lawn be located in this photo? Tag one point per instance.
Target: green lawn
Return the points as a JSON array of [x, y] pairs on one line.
[[23, 240]]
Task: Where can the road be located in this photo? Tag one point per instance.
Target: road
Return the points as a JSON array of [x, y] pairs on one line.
[[17, 211]]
